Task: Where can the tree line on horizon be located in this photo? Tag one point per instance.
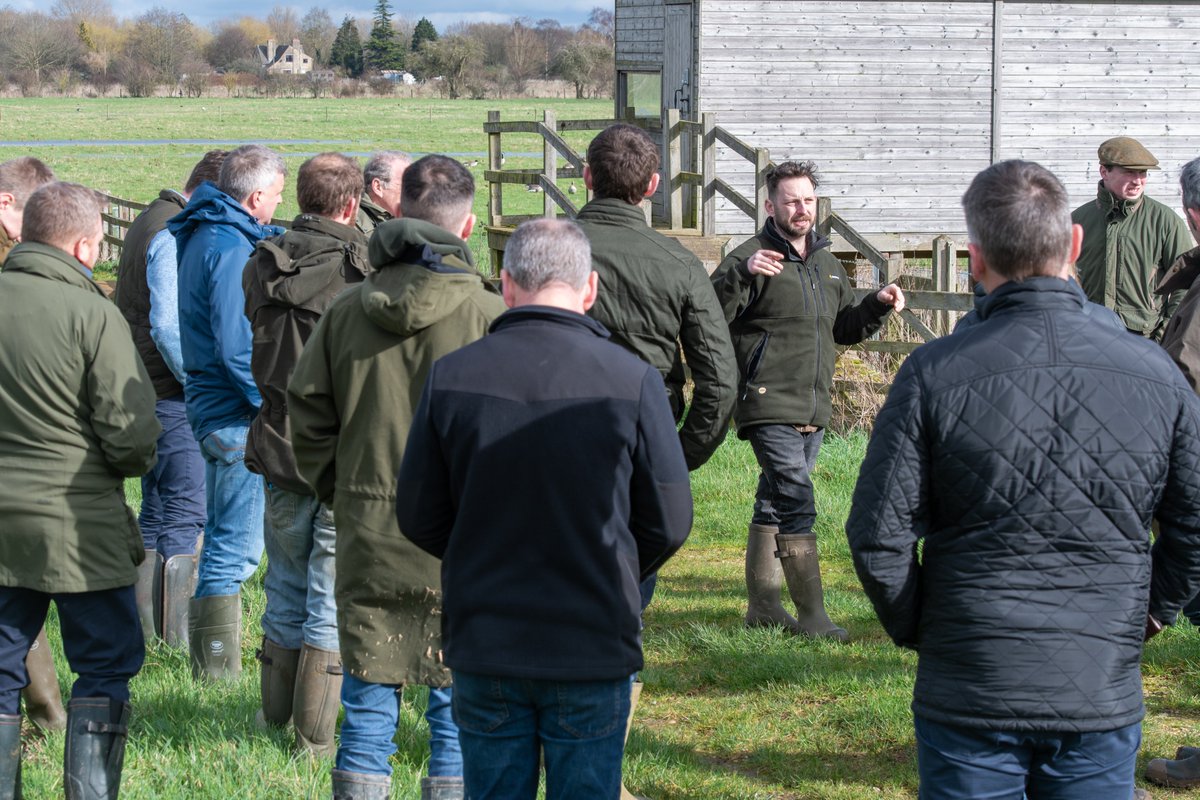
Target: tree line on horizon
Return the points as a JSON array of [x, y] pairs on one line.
[[83, 42]]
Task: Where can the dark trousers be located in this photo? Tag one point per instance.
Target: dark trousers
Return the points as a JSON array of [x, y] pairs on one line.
[[786, 456], [102, 638], [173, 510]]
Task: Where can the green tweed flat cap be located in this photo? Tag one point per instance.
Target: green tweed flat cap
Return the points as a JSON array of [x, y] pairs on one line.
[[1125, 151]]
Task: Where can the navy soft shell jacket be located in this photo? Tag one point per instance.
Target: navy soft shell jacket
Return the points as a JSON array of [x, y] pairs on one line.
[[543, 468], [1030, 453]]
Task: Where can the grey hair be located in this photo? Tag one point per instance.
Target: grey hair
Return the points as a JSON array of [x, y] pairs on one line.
[[381, 165], [1189, 182], [543, 251], [1018, 215], [248, 169]]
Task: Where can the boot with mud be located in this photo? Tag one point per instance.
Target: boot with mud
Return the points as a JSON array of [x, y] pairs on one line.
[[360, 786], [95, 750], [277, 683], [10, 757], [442, 788], [1182, 773], [215, 637], [764, 581], [802, 570], [43, 698], [635, 694], [178, 586], [317, 698], [148, 594]]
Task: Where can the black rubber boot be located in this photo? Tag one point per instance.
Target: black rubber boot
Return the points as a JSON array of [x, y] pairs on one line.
[[442, 788], [148, 593], [359, 786], [10, 757], [43, 698], [1183, 773], [215, 637], [178, 586], [277, 682], [802, 570], [317, 699], [764, 581], [95, 751]]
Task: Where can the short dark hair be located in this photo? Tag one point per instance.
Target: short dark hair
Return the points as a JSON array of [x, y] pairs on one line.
[[21, 177], [207, 168], [622, 159], [1018, 215], [326, 182], [788, 170], [58, 214], [437, 189]]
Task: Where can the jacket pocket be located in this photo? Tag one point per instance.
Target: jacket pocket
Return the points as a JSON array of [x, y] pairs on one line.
[[755, 362]]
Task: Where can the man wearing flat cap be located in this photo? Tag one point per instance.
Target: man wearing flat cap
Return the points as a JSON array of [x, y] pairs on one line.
[[1129, 240]]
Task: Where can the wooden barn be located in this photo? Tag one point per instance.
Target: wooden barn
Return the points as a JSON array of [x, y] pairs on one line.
[[901, 103]]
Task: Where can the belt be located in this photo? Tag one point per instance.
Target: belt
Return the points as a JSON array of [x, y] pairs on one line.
[[806, 428]]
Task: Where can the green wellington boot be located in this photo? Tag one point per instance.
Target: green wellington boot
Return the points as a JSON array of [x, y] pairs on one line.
[[802, 570], [43, 698], [178, 586], [215, 637], [317, 698], [95, 751], [359, 786], [764, 581], [148, 594], [10, 757], [277, 682]]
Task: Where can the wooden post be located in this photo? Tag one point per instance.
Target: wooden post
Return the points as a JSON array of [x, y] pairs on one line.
[[549, 165], [495, 190], [762, 158], [708, 170], [895, 265], [944, 259], [824, 210], [671, 167], [997, 74]]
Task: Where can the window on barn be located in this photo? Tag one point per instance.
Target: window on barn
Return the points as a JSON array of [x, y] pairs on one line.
[[641, 93]]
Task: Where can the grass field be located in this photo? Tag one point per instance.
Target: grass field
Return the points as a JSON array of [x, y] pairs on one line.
[[727, 713]]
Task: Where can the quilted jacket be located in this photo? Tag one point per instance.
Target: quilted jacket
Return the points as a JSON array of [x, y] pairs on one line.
[[1000, 525]]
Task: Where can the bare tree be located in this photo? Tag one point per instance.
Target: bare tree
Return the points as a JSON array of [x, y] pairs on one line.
[[164, 41], [93, 12], [601, 21], [451, 58], [284, 24], [229, 47], [317, 33], [40, 44], [525, 54]]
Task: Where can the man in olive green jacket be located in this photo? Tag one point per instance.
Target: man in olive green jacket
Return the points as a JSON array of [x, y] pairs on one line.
[[351, 399], [383, 179], [789, 302], [1129, 240], [76, 418]]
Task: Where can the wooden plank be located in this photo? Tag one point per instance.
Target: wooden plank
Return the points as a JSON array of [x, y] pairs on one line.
[[549, 165], [856, 240], [564, 149], [735, 144], [523, 177], [917, 325], [708, 167], [997, 76], [556, 195], [689, 178], [882, 346], [671, 157], [511, 127], [495, 190], [735, 197]]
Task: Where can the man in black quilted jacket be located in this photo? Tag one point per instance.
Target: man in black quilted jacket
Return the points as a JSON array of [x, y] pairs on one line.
[[1001, 521]]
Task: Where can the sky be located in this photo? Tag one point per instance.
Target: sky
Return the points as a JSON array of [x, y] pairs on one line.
[[441, 13]]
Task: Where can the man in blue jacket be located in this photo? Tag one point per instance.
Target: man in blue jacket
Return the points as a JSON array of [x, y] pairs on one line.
[[216, 234], [540, 568], [1000, 525]]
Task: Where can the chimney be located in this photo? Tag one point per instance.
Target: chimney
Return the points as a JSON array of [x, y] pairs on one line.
[[270, 49]]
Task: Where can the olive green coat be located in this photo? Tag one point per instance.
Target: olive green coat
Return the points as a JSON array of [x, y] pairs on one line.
[[370, 215], [351, 400], [1128, 246], [76, 419]]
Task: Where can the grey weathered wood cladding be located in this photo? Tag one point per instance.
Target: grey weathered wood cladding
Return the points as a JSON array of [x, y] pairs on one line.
[[900, 104]]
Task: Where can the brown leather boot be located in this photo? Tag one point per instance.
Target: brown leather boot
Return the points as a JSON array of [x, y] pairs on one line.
[[43, 698], [764, 581], [317, 698], [277, 682], [802, 570]]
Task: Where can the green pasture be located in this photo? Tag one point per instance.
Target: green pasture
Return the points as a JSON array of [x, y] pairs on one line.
[[727, 713], [162, 138]]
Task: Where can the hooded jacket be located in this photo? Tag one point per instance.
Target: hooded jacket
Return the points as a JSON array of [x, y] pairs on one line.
[[76, 419], [654, 298], [1000, 523], [215, 237], [785, 329], [351, 400], [1128, 246], [289, 281]]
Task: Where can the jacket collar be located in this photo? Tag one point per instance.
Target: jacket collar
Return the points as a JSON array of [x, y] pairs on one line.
[[614, 208], [414, 241], [771, 233], [1182, 274], [322, 226], [373, 210], [209, 205], [1032, 293], [49, 262], [1114, 207], [550, 314]]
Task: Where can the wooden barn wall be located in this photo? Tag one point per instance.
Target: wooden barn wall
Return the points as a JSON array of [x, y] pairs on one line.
[[893, 100], [639, 33]]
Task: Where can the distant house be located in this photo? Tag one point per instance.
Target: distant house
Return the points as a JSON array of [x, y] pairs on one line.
[[398, 76], [287, 59]]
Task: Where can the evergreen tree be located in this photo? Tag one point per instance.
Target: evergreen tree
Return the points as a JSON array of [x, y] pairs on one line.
[[424, 32], [384, 50], [347, 49]]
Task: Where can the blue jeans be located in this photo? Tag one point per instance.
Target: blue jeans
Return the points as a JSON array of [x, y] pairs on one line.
[[972, 764], [299, 536], [577, 726], [368, 737], [101, 637], [233, 534], [172, 515], [785, 491]]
